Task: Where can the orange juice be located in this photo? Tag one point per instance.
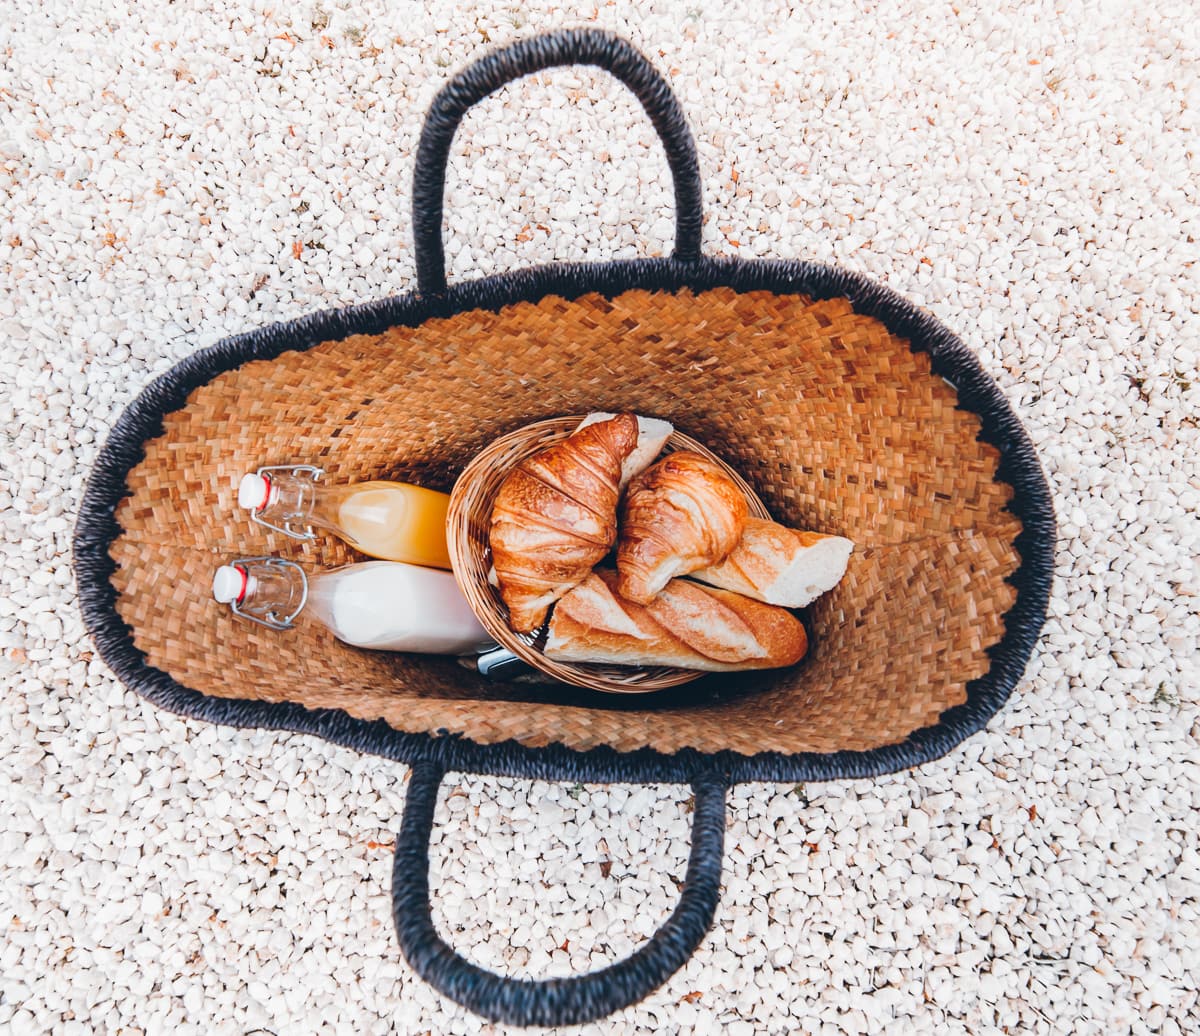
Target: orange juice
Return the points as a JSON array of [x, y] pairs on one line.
[[393, 521], [396, 521]]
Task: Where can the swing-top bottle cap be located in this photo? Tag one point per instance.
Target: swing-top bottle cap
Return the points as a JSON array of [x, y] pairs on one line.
[[254, 492], [229, 584]]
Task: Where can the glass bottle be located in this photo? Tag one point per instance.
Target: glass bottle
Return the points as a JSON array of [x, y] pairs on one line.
[[383, 605], [394, 521]]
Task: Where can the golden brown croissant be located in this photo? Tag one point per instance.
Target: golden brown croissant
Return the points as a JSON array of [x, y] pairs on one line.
[[680, 515], [556, 516]]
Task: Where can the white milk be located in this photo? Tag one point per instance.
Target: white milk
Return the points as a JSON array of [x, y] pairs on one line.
[[391, 606]]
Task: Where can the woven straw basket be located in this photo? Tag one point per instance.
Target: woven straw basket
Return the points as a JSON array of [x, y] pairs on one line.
[[845, 408]]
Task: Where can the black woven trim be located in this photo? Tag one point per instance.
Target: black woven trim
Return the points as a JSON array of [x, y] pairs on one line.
[[96, 528], [557, 1001], [503, 66]]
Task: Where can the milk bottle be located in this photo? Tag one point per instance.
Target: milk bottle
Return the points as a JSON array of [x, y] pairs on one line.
[[384, 605]]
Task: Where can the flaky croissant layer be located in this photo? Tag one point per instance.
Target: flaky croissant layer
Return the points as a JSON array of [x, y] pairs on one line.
[[555, 517], [682, 514]]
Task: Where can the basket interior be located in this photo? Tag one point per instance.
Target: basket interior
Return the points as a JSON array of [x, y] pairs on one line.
[[837, 424]]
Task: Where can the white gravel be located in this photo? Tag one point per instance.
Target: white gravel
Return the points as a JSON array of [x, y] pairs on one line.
[[1026, 170]]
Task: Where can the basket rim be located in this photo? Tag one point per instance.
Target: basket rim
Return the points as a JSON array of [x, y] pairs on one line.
[[96, 526]]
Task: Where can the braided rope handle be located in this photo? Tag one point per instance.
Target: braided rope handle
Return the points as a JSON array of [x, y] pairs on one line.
[[556, 1001], [503, 66]]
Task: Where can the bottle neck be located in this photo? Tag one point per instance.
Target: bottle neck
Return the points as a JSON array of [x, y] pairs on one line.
[[275, 591], [297, 503]]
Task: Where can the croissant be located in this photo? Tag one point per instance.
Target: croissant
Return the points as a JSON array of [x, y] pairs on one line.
[[680, 515], [555, 516]]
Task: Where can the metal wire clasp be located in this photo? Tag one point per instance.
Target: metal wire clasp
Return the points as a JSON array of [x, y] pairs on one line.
[[270, 620], [299, 470]]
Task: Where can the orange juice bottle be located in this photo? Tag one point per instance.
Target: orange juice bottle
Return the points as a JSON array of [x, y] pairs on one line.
[[390, 520]]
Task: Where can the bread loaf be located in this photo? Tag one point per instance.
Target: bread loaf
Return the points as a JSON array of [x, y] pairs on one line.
[[782, 566], [652, 437], [688, 626]]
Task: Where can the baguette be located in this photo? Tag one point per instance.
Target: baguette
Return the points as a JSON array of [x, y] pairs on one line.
[[780, 566], [687, 626]]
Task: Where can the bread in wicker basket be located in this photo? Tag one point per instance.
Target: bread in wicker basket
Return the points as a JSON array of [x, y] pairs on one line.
[[467, 524]]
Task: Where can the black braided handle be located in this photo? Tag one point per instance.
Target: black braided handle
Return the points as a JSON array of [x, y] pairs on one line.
[[477, 81], [555, 1001]]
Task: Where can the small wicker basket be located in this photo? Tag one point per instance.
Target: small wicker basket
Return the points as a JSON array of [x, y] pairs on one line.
[[467, 524]]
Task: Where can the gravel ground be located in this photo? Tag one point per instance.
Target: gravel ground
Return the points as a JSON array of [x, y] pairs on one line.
[[1028, 171]]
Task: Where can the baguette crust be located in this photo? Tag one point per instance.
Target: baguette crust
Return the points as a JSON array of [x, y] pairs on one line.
[[782, 566], [687, 626], [652, 436]]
